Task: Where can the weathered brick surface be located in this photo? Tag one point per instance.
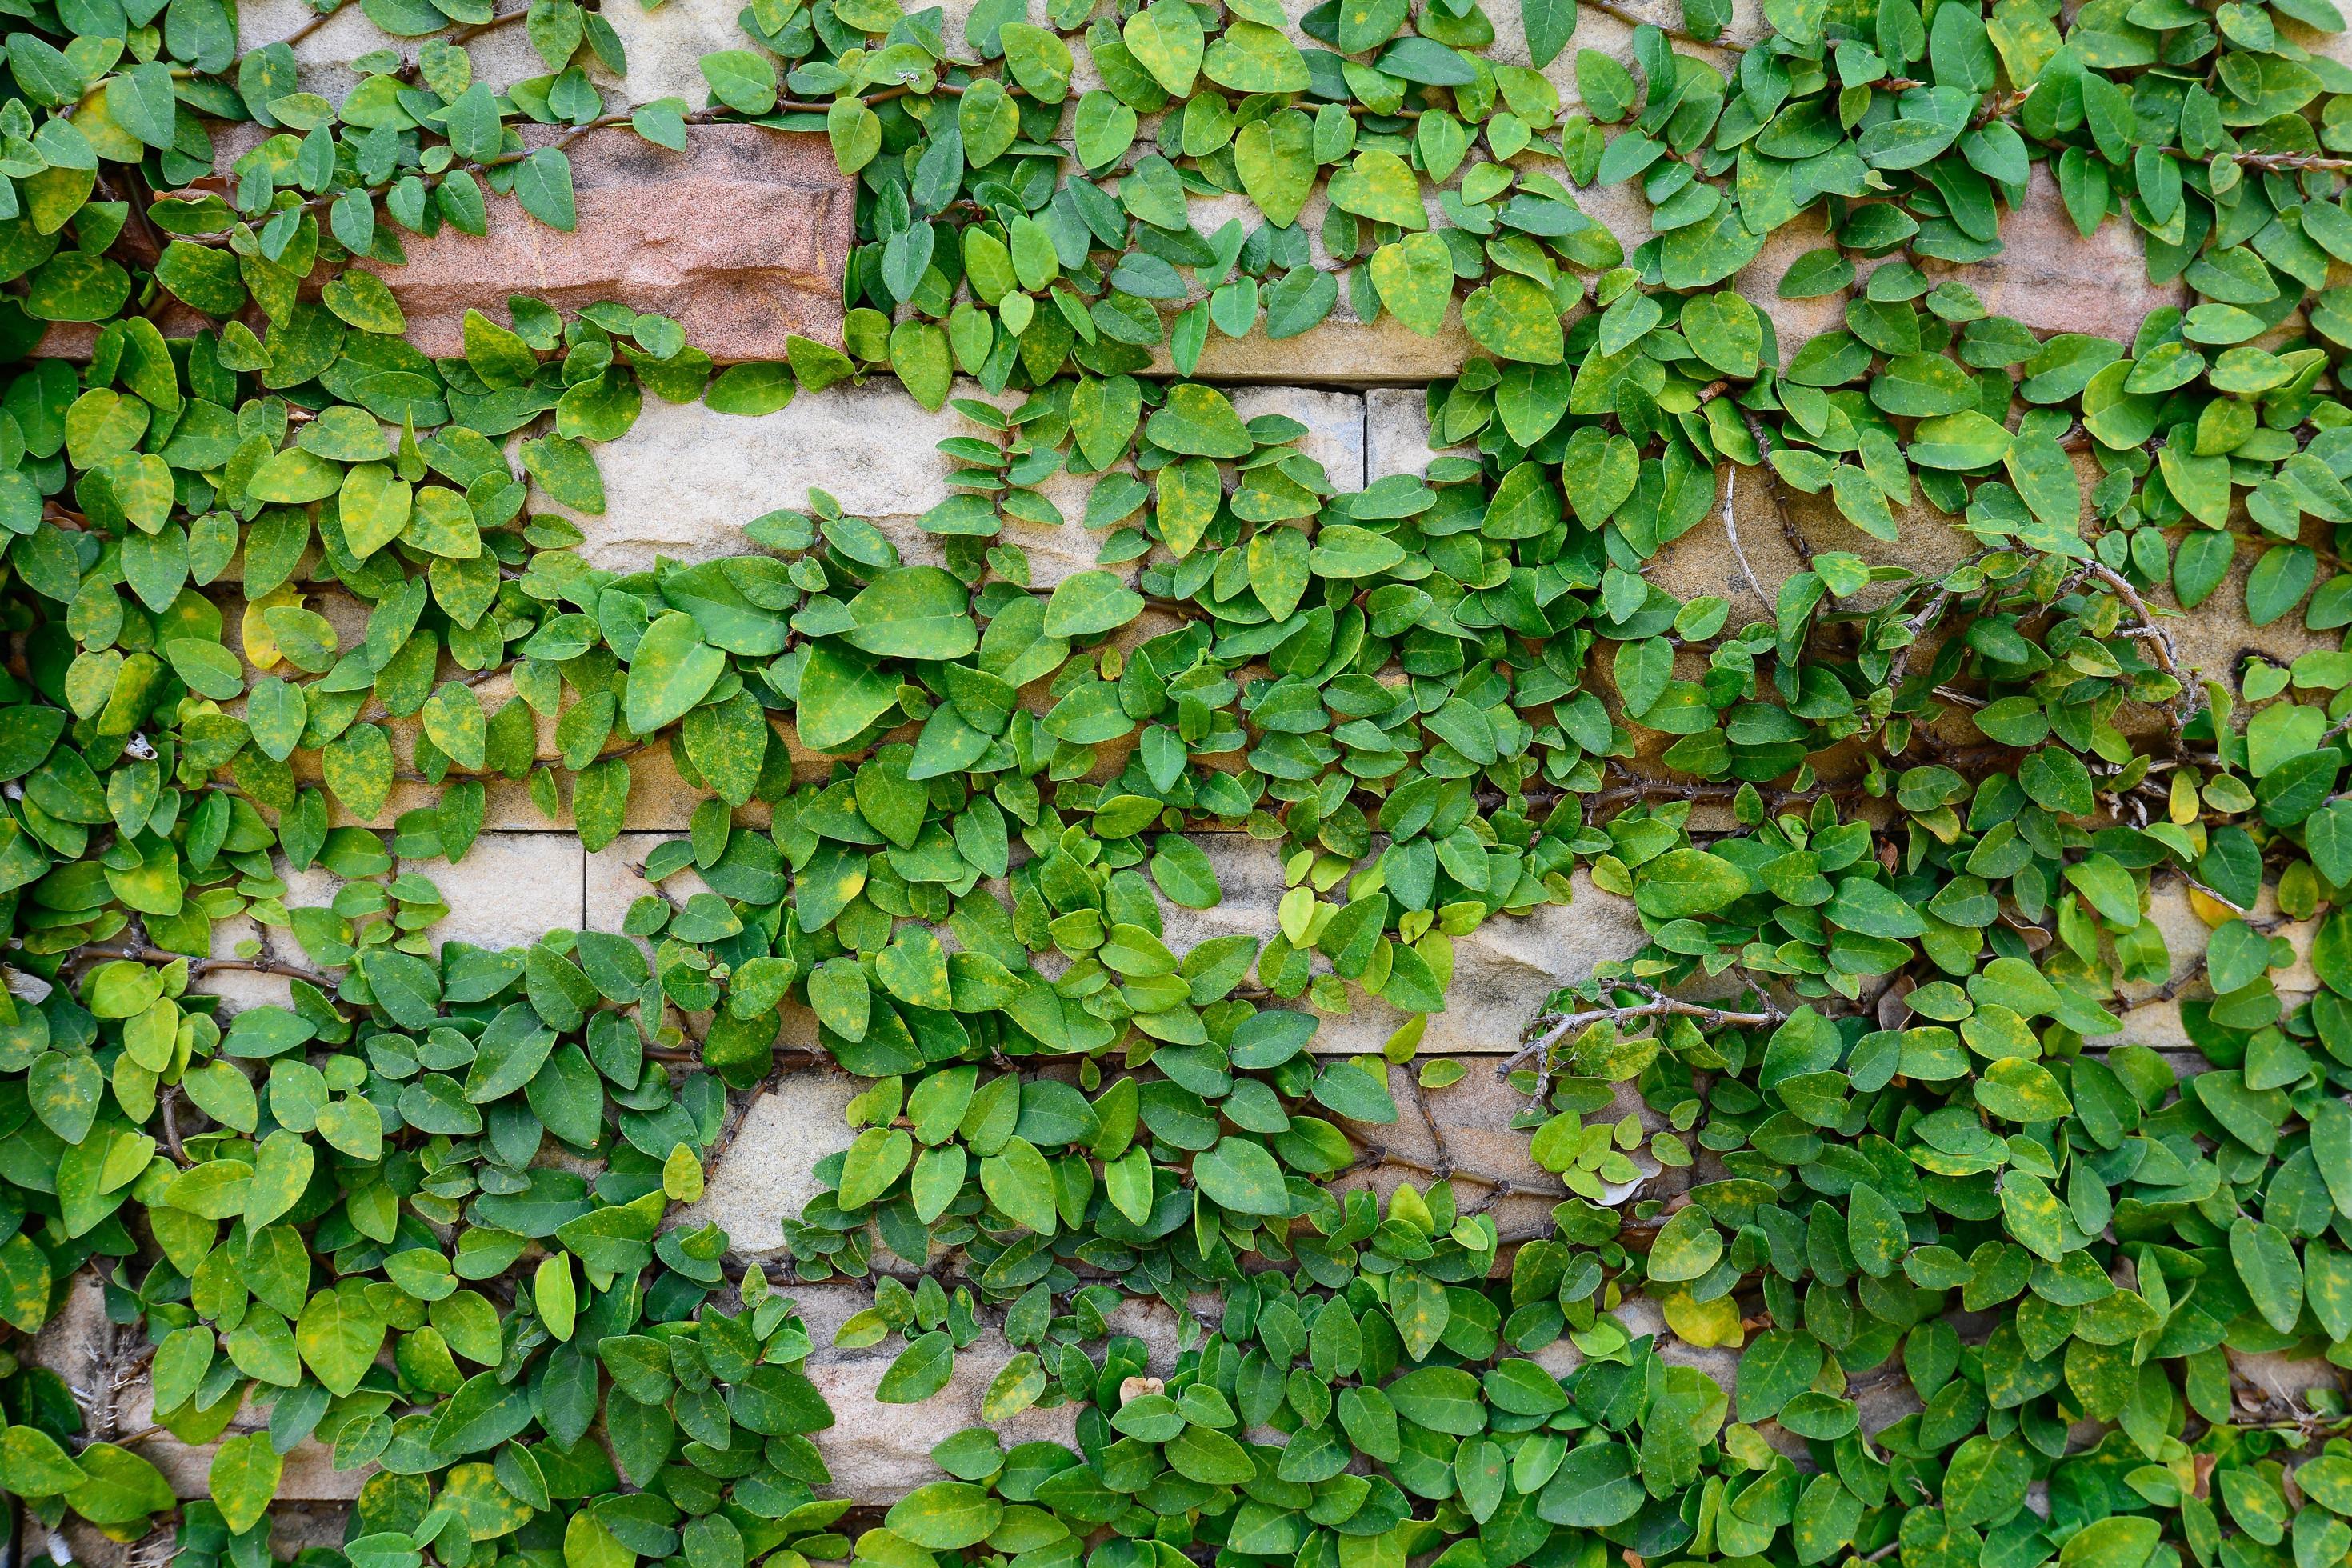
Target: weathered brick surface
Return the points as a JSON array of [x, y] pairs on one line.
[[741, 238]]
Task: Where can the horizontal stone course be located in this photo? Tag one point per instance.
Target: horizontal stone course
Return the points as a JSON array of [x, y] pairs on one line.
[[687, 478]]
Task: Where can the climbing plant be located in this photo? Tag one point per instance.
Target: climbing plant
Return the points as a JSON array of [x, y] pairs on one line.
[[272, 581]]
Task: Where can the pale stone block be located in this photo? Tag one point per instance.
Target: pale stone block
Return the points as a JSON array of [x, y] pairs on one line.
[[2158, 1024], [1503, 972], [767, 1174], [665, 43], [511, 889], [873, 449], [323, 55], [877, 1453], [613, 878], [1396, 433], [242, 988], [1473, 1139], [1334, 421]]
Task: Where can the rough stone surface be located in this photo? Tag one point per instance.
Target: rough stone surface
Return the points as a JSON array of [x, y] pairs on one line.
[[767, 1173], [1467, 1129], [1502, 972], [879, 1452], [324, 50], [2150, 1022], [873, 449], [2051, 278], [742, 237], [614, 880], [102, 1363], [511, 889]]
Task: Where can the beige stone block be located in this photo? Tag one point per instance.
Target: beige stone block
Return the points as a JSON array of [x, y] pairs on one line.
[[1396, 433], [873, 449], [324, 49], [767, 1173], [613, 878], [877, 1453], [105, 1367], [1334, 421], [511, 889], [1794, 321], [1503, 972], [2055, 280], [242, 988], [1466, 1130], [2157, 1023], [742, 238], [2215, 640]]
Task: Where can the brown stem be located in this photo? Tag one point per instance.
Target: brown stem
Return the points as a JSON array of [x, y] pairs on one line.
[[199, 966]]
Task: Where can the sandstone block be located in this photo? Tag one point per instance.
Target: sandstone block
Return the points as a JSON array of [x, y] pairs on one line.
[[742, 238], [2051, 278]]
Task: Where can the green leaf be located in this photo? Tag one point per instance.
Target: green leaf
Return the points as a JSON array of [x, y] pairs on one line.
[[2269, 1269], [1514, 319], [1020, 1184], [1685, 1247], [920, 1371], [1239, 1175], [1547, 24], [945, 1516], [1414, 276], [243, 1479], [913, 612], [542, 184], [2018, 1088], [1685, 882], [1275, 161], [1089, 604], [36, 1465], [2122, 1541], [1381, 186], [339, 1335]]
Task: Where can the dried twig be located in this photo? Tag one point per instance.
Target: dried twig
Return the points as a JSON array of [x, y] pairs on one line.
[[1731, 532], [1659, 1006]]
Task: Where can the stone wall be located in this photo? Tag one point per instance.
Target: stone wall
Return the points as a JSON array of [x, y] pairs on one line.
[[742, 240], [682, 484]]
